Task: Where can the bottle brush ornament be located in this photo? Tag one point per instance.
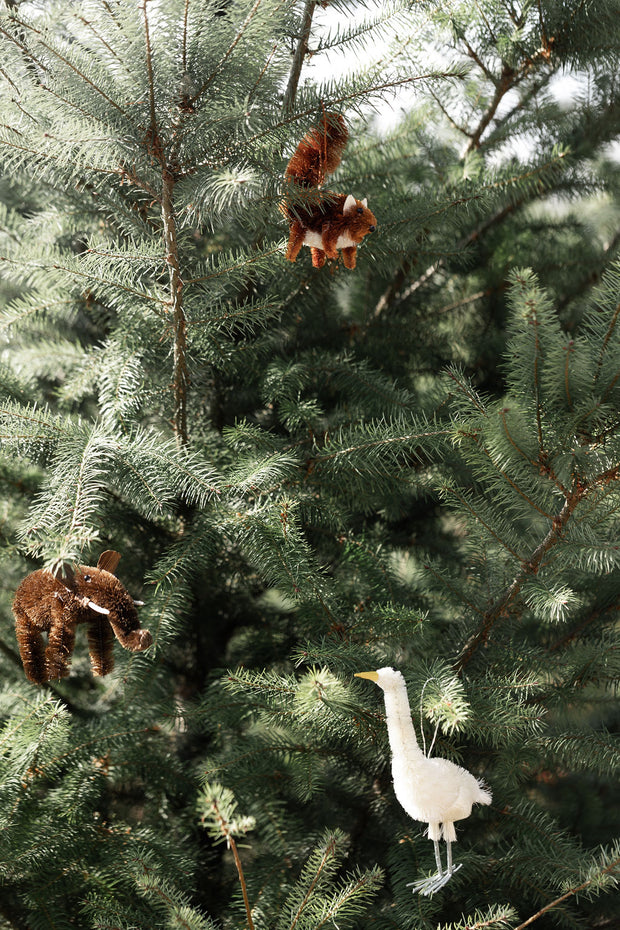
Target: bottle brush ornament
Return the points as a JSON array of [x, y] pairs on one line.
[[435, 791], [323, 220], [56, 605]]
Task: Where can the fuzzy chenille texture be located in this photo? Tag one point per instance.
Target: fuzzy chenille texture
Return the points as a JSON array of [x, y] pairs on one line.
[[435, 791], [324, 221], [93, 596]]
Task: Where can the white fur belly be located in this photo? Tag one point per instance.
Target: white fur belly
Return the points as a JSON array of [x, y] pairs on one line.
[[315, 240]]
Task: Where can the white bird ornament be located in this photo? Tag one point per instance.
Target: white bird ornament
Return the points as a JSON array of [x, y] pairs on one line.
[[435, 791]]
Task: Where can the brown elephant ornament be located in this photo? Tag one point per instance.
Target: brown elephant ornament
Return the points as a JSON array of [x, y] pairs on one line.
[[56, 605]]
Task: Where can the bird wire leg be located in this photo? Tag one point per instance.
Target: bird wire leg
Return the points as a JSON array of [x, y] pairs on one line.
[[428, 886], [438, 858], [451, 869]]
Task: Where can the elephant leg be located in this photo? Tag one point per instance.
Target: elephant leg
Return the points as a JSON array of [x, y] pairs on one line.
[[60, 643], [100, 646], [31, 647]]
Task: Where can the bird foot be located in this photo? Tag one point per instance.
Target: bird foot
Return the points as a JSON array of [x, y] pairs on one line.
[[428, 886]]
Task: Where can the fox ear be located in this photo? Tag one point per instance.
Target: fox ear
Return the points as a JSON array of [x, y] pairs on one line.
[[364, 202], [349, 205]]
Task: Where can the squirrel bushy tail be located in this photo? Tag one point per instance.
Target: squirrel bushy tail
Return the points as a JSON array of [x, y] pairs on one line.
[[319, 152]]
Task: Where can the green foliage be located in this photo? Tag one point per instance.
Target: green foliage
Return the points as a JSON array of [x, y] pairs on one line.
[[312, 472]]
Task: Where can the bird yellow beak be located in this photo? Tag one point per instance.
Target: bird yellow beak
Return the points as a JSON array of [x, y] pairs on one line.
[[372, 675]]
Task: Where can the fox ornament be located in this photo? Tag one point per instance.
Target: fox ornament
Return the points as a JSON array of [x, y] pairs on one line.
[[323, 220]]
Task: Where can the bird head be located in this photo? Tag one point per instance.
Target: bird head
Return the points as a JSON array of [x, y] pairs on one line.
[[384, 677]]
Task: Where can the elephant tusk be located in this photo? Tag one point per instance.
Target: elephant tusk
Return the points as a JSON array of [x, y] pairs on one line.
[[100, 610]]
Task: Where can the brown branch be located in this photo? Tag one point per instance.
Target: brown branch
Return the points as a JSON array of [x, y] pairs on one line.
[[225, 828], [505, 84], [300, 53], [106, 45], [329, 851], [392, 294], [222, 158], [445, 112], [244, 25], [569, 894], [590, 279], [180, 382], [473, 54], [530, 567], [583, 624], [62, 58], [185, 21], [149, 69]]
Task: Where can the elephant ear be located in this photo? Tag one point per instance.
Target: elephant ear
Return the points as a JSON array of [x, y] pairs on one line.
[[108, 561], [65, 575]]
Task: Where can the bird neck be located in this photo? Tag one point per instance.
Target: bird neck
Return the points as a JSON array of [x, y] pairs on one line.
[[401, 732]]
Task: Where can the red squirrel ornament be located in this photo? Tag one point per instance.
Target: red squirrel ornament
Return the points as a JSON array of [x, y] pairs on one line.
[[57, 605], [323, 220]]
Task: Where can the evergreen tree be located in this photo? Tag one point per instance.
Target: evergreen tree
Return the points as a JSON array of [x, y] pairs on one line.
[[312, 472]]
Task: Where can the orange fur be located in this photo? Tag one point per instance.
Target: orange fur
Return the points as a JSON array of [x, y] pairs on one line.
[[323, 220], [319, 152]]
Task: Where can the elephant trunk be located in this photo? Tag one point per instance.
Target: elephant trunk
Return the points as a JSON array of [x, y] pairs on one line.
[[136, 641]]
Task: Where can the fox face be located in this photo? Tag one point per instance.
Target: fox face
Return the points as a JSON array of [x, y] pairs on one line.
[[359, 219], [340, 223]]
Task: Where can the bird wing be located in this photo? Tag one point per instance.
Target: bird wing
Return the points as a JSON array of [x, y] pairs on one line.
[[436, 790]]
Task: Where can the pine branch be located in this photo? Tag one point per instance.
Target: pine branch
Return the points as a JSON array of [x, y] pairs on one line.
[[591, 278], [300, 53], [226, 832], [10, 653], [187, 169], [506, 83], [180, 381], [180, 377], [244, 25], [39, 34], [328, 852], [502, 605], [149, 71], [393, 294], [583, 624], [612, 867], [185, 36]]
